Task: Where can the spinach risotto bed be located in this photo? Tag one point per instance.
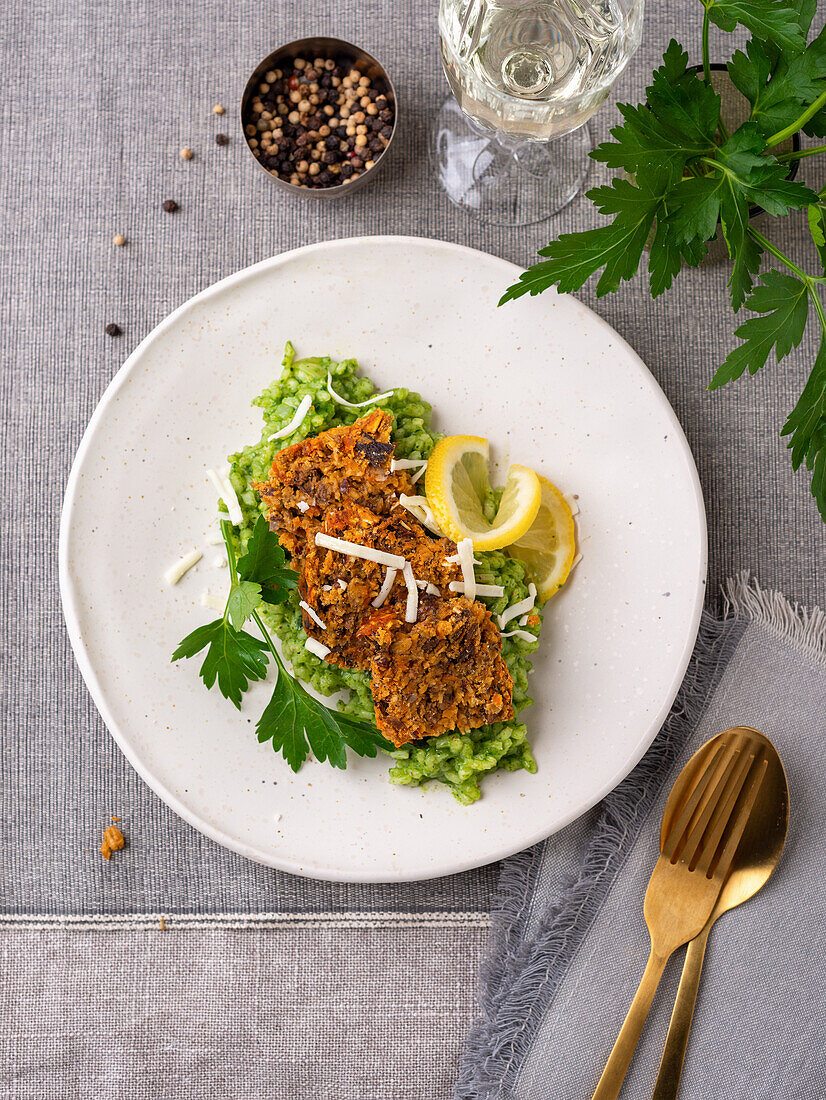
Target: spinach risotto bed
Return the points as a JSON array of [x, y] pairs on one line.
[[377, 585]]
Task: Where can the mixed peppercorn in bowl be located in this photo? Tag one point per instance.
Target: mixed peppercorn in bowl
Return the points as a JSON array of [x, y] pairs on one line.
[[317, 115]]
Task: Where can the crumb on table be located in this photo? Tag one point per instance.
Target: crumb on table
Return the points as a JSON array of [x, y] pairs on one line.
[[113, 841]]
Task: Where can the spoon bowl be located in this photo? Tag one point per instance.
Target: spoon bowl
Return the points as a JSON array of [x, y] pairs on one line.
[[760, 849]]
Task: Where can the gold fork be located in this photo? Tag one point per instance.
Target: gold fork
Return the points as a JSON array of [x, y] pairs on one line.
[[695, 858]]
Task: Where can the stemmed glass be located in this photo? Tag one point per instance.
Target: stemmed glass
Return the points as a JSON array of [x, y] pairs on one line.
[[511, 148]]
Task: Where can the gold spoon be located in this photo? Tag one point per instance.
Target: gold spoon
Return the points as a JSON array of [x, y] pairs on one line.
[[705, 828], [752, 866]]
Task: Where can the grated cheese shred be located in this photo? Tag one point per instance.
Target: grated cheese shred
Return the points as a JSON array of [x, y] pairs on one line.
[[481, 589], [318, 648], [313, 615], [464, 552], [412, 609], [339, 400], [297, 420], [517, 609], [182, 566], [523, 634], [387, 585], [225, 491], [418, 506], [356, 550], [209, 599]]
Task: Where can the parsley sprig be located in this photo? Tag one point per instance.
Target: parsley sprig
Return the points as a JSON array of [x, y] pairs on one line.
[[293, 720], [684, 175]]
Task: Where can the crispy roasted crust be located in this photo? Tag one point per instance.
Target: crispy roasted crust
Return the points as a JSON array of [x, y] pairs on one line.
[[343, 610], [339, 467], [443, 672]]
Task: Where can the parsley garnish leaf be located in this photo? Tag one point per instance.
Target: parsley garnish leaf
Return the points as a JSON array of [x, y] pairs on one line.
[[779, 86], [617, 248], [242, 601], [689, 179], [293, 720], [233, 657], [807, 427], [771, 19], [677, 122], [296, 723], [782, 300], [265, 563]]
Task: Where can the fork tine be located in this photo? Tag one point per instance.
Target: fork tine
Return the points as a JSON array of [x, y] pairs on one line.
[[711, 810], [738, 825], [679, 827], [707, 842]]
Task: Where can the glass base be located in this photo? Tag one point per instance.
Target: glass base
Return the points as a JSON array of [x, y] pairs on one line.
[[504, 184]]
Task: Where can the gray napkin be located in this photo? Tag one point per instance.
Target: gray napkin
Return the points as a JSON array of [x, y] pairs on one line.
[[569, 943]]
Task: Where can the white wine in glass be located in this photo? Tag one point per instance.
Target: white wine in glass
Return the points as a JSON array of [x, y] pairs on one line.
[[526, 75]]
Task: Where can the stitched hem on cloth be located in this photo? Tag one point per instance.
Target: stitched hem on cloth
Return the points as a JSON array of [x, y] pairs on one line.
[[519, 979], [185, 922]]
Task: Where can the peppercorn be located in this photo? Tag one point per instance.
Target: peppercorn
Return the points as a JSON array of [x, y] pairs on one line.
[[221, 139], [113, 330], [119, 240], [217, 109], [170, 206], [186, 154]]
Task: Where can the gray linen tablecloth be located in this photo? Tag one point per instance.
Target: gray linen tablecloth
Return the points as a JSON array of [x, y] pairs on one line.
[[98, 97]]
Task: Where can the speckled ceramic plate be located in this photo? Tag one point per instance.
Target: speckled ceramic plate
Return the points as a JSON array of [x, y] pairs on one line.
[[549, 383]]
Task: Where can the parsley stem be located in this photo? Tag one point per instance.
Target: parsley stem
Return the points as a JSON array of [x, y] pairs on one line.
[[778, 255], [810, 280], [818, 307], [270, 644], [799, 154], [706, 62], [226, 531], [793, 127]]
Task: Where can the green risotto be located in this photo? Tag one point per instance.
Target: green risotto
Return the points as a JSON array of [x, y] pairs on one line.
[[457, 760]]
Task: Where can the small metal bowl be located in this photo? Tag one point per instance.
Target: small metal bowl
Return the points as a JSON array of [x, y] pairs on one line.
[[322, 47]]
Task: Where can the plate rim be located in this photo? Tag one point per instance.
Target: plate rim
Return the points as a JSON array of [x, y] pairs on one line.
[[90, 678]]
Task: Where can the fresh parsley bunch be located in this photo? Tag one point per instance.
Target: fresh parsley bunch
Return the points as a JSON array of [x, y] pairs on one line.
[[293, 720], [684, 174]]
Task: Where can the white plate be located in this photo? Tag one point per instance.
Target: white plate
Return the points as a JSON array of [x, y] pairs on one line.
[[550, 384]]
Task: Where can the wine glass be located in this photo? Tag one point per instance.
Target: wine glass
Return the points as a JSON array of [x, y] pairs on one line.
[[512, 147]]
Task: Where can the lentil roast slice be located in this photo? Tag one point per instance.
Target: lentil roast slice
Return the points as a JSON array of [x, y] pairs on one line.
[[341, 588], [444, 672], [341, 465]]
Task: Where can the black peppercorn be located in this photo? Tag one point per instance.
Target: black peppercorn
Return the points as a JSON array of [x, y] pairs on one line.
[[113, 329], [346, 170], [386, 131], [170, 206], [331, 142], [221, 139]]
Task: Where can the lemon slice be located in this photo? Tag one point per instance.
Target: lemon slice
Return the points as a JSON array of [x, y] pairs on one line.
[[457, 485], [548, 548]]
